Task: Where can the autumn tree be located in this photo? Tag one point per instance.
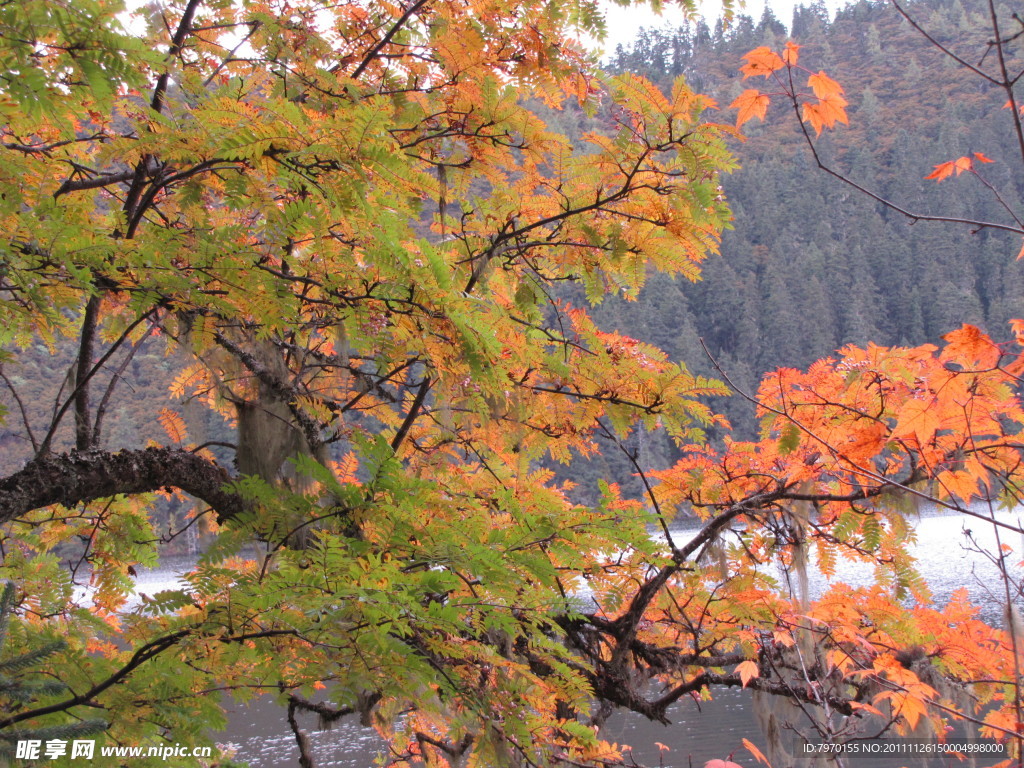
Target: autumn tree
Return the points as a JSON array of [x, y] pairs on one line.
[[344, 221], [819, 103], [347, 221]]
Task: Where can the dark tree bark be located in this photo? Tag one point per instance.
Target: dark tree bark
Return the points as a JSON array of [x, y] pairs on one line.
[[76, 477], [83, 372]]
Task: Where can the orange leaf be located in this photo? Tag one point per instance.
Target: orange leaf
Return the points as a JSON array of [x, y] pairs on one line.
[[958, 483], [865, 441], [825, 87], [751, 104], [945, 170], [761, 61], [346, 470], [910, 708], [173, 425], [970, 347], [748, 671], [791, 54], [998, 723], [826, 113], [858, 705], [981, 158], [916, 418], [758, 755], [942, 171]]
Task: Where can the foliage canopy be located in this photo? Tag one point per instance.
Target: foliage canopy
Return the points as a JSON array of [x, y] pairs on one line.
[[347, 225]]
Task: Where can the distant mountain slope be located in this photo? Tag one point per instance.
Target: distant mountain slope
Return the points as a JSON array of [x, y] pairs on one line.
[[811, 264]]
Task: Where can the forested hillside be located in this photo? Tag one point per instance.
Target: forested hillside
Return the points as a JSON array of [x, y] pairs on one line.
[[812, 265]]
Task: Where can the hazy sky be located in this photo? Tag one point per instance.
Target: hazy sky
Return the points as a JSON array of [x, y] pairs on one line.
[[623, 23]]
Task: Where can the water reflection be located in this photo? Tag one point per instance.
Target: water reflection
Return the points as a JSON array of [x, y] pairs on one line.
[[699, 731], [259, 730]]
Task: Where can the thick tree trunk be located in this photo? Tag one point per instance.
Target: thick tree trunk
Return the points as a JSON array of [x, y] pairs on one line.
[[84, 476]]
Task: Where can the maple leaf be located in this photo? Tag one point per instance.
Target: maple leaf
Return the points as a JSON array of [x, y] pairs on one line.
[[864, 442], [970, 347], [942, 171], [947, 169], [791, 53], [751, 104], [999, 723], [761, 61], [826, 113], [757, 753], [748, 670], [962, 164], [865, 707], [910, 707], [982, 158], [825, 87], [916, 418], [959, 484]]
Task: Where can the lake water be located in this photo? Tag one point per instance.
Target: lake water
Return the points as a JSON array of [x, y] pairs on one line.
[[699, 732]]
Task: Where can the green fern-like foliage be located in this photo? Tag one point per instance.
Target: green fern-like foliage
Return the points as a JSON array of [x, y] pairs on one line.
[[19, 686]]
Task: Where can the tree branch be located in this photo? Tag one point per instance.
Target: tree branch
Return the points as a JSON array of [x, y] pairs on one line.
[[283, 390], [144, 653], [387, 37], [76, 477], [410, 417], [978, 225]]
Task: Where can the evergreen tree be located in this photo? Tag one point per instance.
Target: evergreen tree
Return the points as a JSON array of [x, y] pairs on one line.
[[869, 275]]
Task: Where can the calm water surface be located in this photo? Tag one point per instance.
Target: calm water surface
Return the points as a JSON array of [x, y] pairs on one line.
[[699, 732]]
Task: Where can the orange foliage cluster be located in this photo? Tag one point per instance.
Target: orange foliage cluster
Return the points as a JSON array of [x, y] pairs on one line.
[[823, 107], [958, 166], [844, 446], [875, 418]]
